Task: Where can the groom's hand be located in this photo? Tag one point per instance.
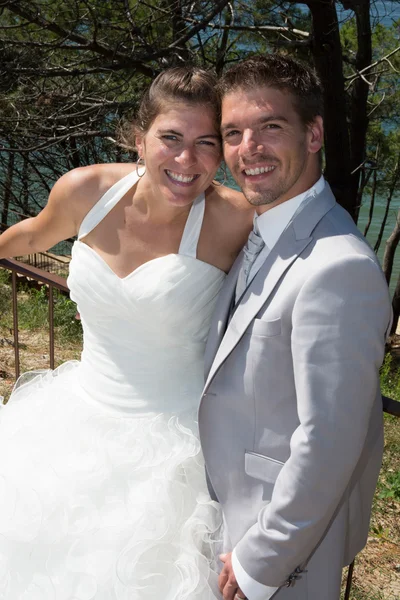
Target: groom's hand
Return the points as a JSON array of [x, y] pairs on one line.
[[228, 586]]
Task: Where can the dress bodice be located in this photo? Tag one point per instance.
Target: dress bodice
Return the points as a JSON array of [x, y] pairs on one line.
[[144, 334]]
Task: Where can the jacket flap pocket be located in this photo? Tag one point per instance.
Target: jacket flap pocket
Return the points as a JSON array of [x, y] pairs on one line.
[[265, 328], [262, 467]]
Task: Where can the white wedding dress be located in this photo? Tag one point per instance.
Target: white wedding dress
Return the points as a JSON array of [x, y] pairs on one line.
[[102, 484]]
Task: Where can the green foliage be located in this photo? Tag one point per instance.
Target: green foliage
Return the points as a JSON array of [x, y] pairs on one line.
[[390, 489], [390, 378], [65, 320], [33, 314], [5, 276], [5, 293], [33, 311]]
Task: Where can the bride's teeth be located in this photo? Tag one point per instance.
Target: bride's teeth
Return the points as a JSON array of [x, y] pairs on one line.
[[258, 170], [181, 178]]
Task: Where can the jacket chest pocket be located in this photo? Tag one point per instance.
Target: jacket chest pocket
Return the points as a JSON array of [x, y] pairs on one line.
[[267, 337], [261, 328]]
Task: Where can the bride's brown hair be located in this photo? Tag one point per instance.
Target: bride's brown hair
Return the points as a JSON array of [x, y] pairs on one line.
[[190, 85]]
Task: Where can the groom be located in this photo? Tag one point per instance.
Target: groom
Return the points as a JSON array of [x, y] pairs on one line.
[[291, 415]]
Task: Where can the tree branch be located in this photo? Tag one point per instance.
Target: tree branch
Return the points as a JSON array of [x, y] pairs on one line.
[[355, 76], [15, 6], [219, 6]]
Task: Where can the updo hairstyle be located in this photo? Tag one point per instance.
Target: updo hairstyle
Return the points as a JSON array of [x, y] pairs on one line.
[[188, 85]]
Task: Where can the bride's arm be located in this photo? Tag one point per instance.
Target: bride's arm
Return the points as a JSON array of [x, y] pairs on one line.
[[58, 221]]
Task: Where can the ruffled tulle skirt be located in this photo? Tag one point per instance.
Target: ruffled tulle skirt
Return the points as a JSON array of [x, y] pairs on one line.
[[97, 505]]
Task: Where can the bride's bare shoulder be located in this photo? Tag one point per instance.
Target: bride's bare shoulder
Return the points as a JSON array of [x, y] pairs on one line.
[[82, 187], [232, 203], [94, 179]]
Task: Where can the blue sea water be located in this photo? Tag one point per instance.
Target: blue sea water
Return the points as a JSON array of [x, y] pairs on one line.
[[385, 12], [373, 232]]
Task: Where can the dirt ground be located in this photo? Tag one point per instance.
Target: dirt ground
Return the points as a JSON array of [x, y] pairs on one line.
[[377, 569], [34, 354]]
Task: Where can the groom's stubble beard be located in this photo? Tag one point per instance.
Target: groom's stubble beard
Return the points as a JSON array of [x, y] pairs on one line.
[[263, 197], [279, 188]]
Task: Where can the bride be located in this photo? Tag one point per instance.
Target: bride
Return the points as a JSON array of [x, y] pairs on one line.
[[102, 482]]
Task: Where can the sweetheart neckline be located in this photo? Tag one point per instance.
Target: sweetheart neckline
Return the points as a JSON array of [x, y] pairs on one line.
[[152, 260]]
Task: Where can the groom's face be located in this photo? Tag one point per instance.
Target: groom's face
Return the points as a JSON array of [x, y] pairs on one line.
[[272, 155]]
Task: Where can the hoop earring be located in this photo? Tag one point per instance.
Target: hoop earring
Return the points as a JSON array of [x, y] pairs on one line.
[[223, 169], [139, 162]]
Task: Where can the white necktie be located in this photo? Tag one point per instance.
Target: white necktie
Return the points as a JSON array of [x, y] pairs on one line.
[[252, 249]]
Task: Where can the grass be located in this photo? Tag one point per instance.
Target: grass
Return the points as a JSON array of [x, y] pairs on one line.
[[390, 376], [33, 310], [377, 570]]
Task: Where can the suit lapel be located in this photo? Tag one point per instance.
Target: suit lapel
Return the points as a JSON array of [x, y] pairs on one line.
[[290, 245], [258, 292], [221, 314]]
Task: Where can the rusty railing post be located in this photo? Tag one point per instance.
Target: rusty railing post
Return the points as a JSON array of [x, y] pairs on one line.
[[349, 581], [51, 326], [15, 322]]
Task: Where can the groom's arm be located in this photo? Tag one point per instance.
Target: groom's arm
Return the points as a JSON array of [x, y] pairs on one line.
[[339, 324]]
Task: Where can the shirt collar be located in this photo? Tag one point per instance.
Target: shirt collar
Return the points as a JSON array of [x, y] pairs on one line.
[[273, 222]]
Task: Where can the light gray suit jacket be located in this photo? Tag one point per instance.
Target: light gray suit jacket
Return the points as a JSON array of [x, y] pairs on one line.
[[291, 415]]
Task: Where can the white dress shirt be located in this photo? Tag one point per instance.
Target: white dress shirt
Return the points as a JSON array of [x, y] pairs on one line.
[[271, 224]]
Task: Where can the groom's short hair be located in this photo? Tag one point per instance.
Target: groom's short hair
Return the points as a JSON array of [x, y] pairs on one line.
[[281, 73]]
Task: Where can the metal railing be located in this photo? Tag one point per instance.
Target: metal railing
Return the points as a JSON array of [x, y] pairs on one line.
[[18, 271], [390, 406], [46, 261]]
